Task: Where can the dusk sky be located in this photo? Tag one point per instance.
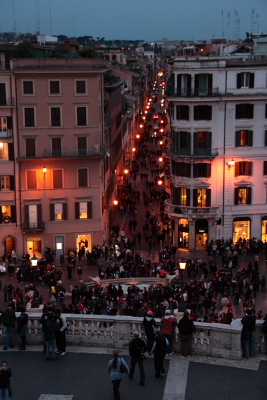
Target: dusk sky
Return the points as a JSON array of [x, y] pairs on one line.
[[139, 19]]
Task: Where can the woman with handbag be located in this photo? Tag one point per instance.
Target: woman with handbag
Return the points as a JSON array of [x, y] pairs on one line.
[[5, 388], [117, 367]]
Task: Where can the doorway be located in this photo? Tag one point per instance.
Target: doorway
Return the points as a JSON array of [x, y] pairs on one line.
[[34, 246], [202, 234], [84, 241], [10, 244]]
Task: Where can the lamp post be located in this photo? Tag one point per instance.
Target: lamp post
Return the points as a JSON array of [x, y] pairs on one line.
[[182, 267], [34, 261]]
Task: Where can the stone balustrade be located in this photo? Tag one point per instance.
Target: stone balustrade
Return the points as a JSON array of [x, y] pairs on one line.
[[214, 340]]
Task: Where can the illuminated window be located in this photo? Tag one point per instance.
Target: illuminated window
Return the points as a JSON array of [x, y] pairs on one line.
[[201, 197], [3, 124], [3, 151], [58, 211], [243, 195], [83, 210], [183, 196], [6, 214], [5, 182], [244, 138]]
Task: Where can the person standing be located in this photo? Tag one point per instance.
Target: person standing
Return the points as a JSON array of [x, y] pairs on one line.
[[22, 322], [137, 348], [159, 349], [168, 324], [114, 368], [61, 333], [149, 326], [186, 328], [248, 333], [9, 319], [5, 374], [50, 330]]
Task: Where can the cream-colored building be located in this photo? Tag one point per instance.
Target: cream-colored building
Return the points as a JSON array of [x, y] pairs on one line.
[[218, 150]]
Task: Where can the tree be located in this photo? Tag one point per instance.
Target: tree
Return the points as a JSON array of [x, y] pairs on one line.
[[89, 53], [22, 50]]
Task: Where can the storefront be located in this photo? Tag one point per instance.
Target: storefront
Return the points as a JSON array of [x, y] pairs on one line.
[[241, 228], [264, 229], [183, 233], [34, 246], [201, 233], [84, 240]]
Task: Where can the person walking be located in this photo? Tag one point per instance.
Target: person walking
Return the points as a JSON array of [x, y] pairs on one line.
[[137, 348], [248, 333], [149, 326], [22, 323], [159, 350], [116, 374], [5, 375], [8, 318], [168, 324], [186, 328]]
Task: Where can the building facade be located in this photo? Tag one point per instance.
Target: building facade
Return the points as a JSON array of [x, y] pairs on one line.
[[218, 150]]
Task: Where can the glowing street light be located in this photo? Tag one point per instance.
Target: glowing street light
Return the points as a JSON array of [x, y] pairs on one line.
[[126, 171], [160, 182], [160, 159], [115, 202], [137, 136]]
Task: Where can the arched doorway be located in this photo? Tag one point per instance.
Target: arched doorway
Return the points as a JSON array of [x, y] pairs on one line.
[[9, 244], [202, 233]]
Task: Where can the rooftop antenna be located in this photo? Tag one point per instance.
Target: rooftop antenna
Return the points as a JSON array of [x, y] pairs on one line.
[[14, 26], [222, 26], [252, 21], [258, 23], [73, 16], [50, 12], [228, 25]]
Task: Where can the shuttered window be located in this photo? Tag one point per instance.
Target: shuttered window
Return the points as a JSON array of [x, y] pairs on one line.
[[82, 177], [30, 147], [31, 180], [57, 179]]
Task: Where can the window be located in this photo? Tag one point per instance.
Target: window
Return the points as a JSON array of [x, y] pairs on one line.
[[80, 87], [81, 116], [6, 125], [58, 211], [202, 113], [57, 179], [29, 117], [201, 197], [54, 87], [30, 147], [55, 116], [244, 111], [33, 217], [265, 169], [245, 80], [202, 143], [3, 151], [181, 169], [3, 99], [243, 138], [265, 110], [82, 146], [184, 84], [181, 196], [31, 180], [181, 143], [182, 112], [243, 195], [202, 170], [243, 168], [3, 124], [27, 87], [83, 210], [7, 182], [82, 177], [56, 147], [7, 214], [203, 84]]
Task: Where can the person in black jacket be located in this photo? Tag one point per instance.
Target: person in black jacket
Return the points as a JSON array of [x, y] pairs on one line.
[[5, 374], [22, 322], [50, 329], [248, 333], [8, 318], [186, 328], [149, 326], [159, 350], [136, 349]]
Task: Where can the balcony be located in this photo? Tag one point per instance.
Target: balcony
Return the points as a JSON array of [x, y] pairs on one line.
[[6, 134], [193, 153], [7, 101], [191, 212], [69, 153], [196, 92], [33, 226]]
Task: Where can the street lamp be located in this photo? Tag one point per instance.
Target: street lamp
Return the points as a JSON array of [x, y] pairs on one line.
[[160, 182], [231, 163], [115, 202], [182, 267], [44, 170], [34, 261]]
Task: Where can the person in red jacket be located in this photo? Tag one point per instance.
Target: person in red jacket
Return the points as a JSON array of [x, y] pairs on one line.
[[168, 323]]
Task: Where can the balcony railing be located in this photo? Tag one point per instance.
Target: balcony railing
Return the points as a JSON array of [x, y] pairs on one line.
[[196, 92], [192, 212], [7, 101], [33, 226], [213, 340], [193, 153], [6, 134]]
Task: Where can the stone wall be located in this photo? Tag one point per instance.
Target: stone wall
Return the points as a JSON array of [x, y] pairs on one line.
[[215, 340]]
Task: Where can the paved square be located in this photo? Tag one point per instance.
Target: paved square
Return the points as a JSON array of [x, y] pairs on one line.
[[55, 397]]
